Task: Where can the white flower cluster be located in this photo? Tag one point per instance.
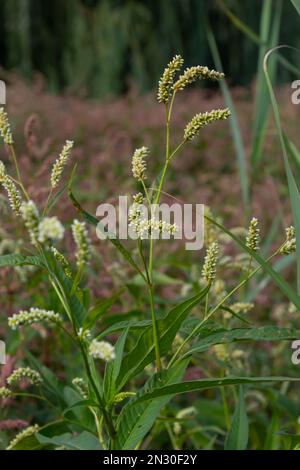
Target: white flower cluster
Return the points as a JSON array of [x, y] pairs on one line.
[[80, 385], [81, 238], [142, 226], [5, 393], [22, 435], [102, 350], [34, 315], [210, 262], [84, 335], [30, 215], [138, 163], [60, 163], [63, 261], [290, 242], [50, 228], [253, 237], [13, 194], [5, 130], [24, 373]]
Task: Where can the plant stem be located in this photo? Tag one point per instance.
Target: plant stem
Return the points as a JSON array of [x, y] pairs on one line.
[[19, 180]]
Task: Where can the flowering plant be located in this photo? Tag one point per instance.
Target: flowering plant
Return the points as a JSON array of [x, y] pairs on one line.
[[124, 389]]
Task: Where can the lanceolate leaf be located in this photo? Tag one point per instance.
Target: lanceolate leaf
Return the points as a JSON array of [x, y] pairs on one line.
[[262, 333], [20, 260], [143, 353], [113, 368], [237, 438], [293, 189], [202, 384], [136, 419], [296, 4]]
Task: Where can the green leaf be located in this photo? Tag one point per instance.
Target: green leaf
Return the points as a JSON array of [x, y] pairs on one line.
[[137, 419], [261, 333], [134, 325], [202, 384], [113, 368], [296, 4], [237, 437], [77, 310], [269, 33], [20, 260], [293, 190], [143, 353], [102, 307], [84, 441], [234, 123]]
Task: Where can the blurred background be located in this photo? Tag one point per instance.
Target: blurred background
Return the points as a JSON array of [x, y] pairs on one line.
[[102, 47]]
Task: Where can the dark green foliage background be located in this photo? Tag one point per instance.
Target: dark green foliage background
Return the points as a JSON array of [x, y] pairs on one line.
[[101, 46]]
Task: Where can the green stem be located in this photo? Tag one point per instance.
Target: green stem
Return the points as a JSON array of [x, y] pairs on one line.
[[155, 329], [19, 180]]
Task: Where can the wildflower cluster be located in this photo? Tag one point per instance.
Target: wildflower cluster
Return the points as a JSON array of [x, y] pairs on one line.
[[5, 393], [138, 163], [22, 435], [60, 163], [13, 193], [25, 373], [242, 307], [34, 315], [102, 350], [81, 238], [63, 261], [165, 86], [210, 262], [197, 72], [5, 130], [289, 245], [30, 215], [253, 237], [50, 228], [203, 119], [80, 385], [143, 226]]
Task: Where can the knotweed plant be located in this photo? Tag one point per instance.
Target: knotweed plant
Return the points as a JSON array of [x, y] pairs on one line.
[[125, 373]]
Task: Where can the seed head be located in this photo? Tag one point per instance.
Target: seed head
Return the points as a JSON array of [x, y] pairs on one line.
[[138, 163], [102, 350], [81, 387], [210, 262], [2, 171], [60, 163], [30, 215], [203, 119], [290, 241], [191, 74], [50, 228], [253, 237], [63, 261], [13, 194], [81, 238], [242, 307], [22, 435], [5, 393], [34, 315], [5, 130], [166, 82], [25, 372]]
